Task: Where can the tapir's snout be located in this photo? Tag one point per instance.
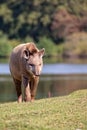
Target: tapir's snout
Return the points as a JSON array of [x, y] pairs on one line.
[[37, 74], [35, 69]]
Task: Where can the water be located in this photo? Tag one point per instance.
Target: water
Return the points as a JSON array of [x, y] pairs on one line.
[[64, 68], [57, 79], [57, 68]]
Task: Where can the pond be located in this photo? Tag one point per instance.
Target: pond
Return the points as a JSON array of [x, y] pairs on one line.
[[49, 86], [57, 79]]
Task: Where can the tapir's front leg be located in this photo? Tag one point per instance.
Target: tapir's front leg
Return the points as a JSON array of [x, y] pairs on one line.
[[26, 89], [33, 87]]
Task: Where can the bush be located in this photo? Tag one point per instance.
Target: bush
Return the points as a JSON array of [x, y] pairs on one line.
[[60, 49], [28, 39], [5, 47], [13, 43], [76, 45], [50, 47]]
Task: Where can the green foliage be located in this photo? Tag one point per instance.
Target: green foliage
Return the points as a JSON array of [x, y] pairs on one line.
[[22, 18], [28, 39], [60, 49], [50, 47], [76, 45], [31, 20], [5, 47], [6, 13], [13, 43]]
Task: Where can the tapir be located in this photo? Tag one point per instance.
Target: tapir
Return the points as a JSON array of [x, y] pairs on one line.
[[26, 62]]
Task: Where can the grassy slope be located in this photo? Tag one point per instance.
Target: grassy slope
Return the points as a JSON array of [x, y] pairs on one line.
[[60, 113]]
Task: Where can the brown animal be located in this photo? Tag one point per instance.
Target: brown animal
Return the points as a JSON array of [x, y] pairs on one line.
[[25, 66]]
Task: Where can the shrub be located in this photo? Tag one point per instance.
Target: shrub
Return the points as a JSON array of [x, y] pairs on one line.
[[50, 47], [13, 43], [5, 47], [28, 39], [76, 45]]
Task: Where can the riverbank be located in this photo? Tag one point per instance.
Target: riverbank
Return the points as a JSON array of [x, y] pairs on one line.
[[63, 113]]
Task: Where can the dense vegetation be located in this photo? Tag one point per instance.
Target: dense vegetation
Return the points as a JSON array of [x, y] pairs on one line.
[[42, 21], [63, 113]]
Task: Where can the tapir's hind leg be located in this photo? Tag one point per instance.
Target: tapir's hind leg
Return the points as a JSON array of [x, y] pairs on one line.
[[18, 89]]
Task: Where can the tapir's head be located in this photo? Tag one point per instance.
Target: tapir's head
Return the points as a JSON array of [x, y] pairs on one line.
[[33, 57]]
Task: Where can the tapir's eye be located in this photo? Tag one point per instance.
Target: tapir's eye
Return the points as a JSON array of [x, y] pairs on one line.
[[31, 64]]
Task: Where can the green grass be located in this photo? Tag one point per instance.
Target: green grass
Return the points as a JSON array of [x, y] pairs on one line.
[[60, 113]]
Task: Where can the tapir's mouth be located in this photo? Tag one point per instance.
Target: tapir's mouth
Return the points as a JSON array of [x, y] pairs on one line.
[[37, 74]]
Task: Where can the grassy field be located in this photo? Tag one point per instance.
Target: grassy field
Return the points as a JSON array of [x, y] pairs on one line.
[[60, 113]]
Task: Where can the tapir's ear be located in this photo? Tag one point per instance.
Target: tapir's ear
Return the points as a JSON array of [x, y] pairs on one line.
[[41, 52], [31, 47], [26, 54]]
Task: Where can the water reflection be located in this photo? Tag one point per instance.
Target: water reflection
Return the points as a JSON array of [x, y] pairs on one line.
[[55, 85], [49, 86], [7, 90]]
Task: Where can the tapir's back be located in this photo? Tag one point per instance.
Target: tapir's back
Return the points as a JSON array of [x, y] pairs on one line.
[[15, 60]]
